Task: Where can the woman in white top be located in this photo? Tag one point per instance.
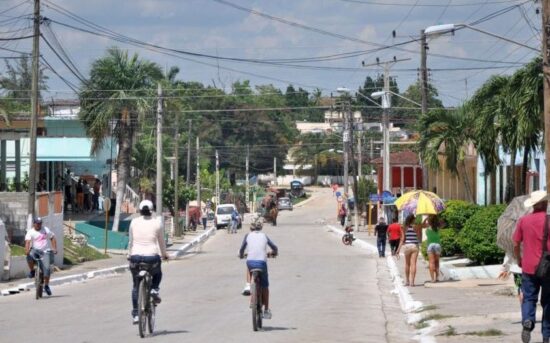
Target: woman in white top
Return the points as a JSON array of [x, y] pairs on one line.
[[146, 245]]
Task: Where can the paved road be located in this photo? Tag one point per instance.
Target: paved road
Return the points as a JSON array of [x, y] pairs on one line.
[[321, 291]]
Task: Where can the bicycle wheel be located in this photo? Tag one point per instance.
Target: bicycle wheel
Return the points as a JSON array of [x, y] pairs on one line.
[[151, 316], [346, 240], [259, 303], [38, 277], [253, 302], [142, 307]]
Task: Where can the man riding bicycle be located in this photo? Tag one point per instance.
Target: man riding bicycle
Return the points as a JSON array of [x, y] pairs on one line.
[[40, 245], [256, 244], [146, 238]]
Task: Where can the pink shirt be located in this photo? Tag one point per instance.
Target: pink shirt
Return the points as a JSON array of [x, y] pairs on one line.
[[529, 230]]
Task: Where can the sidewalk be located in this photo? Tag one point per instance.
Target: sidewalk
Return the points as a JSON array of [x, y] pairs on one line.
[[117, 263], [462, 311]]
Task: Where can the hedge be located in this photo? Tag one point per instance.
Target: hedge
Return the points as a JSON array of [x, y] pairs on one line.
[[457, 212], [449, 242], [479, 234]]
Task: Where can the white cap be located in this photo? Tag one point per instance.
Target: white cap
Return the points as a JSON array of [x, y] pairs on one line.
[[146, 203]]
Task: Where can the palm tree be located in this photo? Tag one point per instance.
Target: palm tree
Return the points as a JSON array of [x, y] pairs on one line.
[[447, 133], [117, 91]]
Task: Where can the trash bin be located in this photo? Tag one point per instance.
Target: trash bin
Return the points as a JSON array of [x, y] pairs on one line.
[[113, 206]]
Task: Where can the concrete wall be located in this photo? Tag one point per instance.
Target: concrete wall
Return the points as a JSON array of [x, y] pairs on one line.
[[18, 267]]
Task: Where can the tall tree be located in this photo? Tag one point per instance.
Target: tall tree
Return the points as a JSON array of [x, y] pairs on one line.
[[17, 80], [119, 89], [446, 133]]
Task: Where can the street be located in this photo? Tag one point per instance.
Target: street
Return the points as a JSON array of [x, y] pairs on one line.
[[321, 291]]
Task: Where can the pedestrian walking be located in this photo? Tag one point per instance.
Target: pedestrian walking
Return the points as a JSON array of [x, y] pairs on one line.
[[87, 194], [234, 221], [394, 235], [433, 245], [204, 217], [68, 182], [95, 196], [380, 231], [342, 213], [79, 196], [530, 236], [411, 236]]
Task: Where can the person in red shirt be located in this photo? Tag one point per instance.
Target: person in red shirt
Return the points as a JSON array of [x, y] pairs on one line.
[[529, 234], [394, 235]]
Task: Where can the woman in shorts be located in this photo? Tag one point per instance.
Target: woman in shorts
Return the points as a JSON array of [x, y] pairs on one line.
[[434, 245], [411, 235]]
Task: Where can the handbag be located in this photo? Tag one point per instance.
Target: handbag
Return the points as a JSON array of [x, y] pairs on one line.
[[543, 268]]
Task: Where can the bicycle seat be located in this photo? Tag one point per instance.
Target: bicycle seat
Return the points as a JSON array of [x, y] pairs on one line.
[[147, 266], [256, 270]]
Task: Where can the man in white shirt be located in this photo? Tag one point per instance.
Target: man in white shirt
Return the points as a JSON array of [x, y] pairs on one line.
[[256, 243], [146, 245], [40, 243]]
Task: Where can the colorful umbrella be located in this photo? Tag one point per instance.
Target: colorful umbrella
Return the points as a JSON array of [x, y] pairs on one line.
[[420, 202]]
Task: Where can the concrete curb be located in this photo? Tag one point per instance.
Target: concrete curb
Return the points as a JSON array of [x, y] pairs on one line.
[[406, 301], [76, 278], [194, 243]]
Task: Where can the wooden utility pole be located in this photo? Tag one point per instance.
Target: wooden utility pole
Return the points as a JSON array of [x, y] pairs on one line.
[[177, 231], [159, 153], [247, 195], [217, 178], [424, 93], [188, 176], [198, 178], [345, 142], [34, 107], [275, 169], [546, 78]]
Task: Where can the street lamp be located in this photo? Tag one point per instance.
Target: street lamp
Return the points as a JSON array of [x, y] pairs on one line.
[[437, 30]]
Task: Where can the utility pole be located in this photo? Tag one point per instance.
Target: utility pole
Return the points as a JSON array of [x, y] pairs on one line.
[[275, 170], [159, 153], [177, 231], [188, 176], [217, 178], [546, 77], [34, 107], [385, 122], [247, 195], [424, 93], [345, 142], [359, 156], [198, 179]]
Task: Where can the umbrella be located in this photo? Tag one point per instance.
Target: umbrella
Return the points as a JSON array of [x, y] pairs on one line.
[[420, 202], [506, 223]]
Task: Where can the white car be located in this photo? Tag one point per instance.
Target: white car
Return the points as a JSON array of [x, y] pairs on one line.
[[222, 216]]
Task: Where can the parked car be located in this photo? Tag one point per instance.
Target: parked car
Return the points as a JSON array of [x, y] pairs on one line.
[[222, 216], [284, 204]]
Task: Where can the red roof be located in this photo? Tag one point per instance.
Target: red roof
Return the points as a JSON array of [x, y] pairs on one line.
[[400, 158]]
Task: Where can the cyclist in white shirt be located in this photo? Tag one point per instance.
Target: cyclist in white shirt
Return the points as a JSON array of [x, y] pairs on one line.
[[40, 243], [256, 243]]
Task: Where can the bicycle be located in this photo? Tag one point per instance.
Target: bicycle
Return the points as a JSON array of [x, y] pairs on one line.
[[146, 303], [348, 237], [38, 257], [256, 297]]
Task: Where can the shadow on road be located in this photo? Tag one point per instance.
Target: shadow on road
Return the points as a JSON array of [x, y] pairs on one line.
[[169, 332], [276, 328]]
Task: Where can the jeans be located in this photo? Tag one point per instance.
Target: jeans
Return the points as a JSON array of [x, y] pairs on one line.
[[381, 245], [155, 272], [531, 285], [45, 263]]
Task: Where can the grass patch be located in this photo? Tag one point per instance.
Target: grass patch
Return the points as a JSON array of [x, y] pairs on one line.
[[485, 333], [451, 331], [435, 316], [300, 199], [426, 308], [17, 250], [74, 254], [423, 323]]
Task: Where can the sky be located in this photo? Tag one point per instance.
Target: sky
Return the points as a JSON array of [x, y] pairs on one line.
[[287, 30]]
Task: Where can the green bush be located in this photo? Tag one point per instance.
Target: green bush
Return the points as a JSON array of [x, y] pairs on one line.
[[457, 212], [449, 242], [479, 234]]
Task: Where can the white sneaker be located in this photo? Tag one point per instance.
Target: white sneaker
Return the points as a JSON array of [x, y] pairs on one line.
[[267, 314], [156, 296], [246, 290], [135, 320]]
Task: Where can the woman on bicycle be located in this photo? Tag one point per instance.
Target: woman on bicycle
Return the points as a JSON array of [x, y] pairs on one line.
[[146, 238], [256, 244]]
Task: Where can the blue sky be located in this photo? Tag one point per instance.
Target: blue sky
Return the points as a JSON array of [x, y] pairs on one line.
[[210, 27]]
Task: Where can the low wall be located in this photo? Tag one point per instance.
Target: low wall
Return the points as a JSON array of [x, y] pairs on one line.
[[18, 267]]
